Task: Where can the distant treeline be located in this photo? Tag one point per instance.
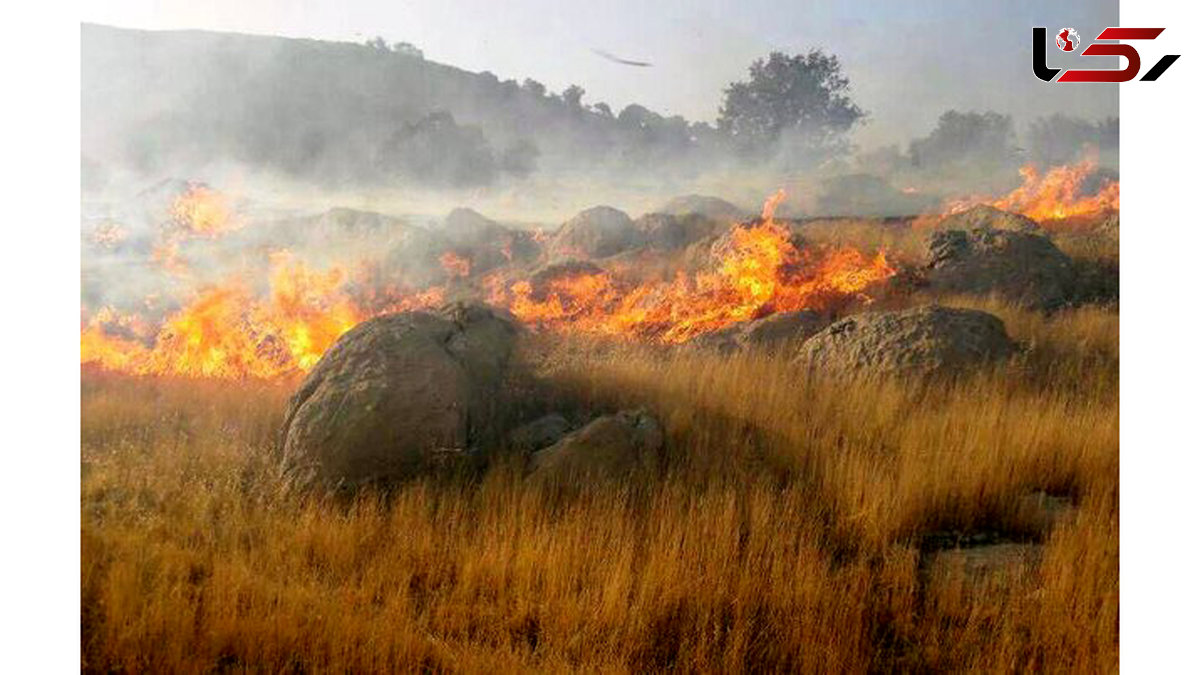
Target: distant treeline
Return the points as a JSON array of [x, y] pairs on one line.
[[349, 114]]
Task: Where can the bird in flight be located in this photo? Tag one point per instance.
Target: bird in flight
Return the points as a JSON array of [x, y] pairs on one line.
[[617, 59]]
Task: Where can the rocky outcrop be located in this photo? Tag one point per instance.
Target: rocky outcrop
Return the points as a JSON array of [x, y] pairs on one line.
[[666, 232], [539, 434], [598, 232], [612, 446], [395, 394], [1027, 269], [714, 208], [984, 216], [923, 342]]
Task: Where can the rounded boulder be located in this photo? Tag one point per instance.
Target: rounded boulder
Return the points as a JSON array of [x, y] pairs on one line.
[[921, 342], [397, 394]]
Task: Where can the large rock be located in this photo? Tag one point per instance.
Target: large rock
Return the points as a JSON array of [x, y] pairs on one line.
[[769, 332], [921, 342], [613, 446], [486, 243], [1025, 268], [668, 232], [467, 227], [783, 328], [546, 279], [395, 394], [709, 253], [538, 434], [988, 218], [598, 232], [704, 205], [413, 256]]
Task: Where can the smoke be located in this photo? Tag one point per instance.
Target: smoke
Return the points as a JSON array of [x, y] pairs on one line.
[[307, 144]]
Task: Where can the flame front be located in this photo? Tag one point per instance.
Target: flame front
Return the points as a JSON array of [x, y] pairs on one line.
[[760, 272], [1054, 196], [456, 265], [227, 331], [203, 212]]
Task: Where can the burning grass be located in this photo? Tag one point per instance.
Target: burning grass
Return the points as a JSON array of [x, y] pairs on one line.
[[788, 535], [227, 331]]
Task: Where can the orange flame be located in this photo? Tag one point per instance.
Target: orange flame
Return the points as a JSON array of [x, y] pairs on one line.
[[166, 254], [1056, 195], [455, 265], [760, 272], [109, 235], [1053, 196], [226, 331], [203, 212]]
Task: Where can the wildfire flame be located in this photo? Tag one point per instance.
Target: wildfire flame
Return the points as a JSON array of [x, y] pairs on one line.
[[203, 212], [1055, 195], [225, 331], [109, 235], [760, 272], [455, 265], [228, 331]]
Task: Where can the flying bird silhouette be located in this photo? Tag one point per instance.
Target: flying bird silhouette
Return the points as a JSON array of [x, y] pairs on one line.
[[617, 59]]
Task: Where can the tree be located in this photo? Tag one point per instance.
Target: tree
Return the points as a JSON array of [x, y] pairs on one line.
[[635, 116], [408, 49], [573, 97], [534, 87], [436, 150], [1059, 139], [519, 158], [979, 139], [804, 96]]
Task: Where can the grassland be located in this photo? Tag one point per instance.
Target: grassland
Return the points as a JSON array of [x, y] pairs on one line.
[[791, 531]]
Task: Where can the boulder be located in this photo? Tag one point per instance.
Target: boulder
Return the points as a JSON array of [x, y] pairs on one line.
[[467, 227], [598, 232], [709, 253], [1025, 268], [538, 434], [714, 208], [543, 282], [486, 243], [667, 232], [412, 258], [921, 342], [781, 328], [983, 569], [768, 332], [396, 393], [612, 446], [723, 340], [988, 218]]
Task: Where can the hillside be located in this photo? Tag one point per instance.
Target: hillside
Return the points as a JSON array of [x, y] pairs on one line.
[[338, 113]]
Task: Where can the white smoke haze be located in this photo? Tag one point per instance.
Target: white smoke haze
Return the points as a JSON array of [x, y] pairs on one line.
[[343, 153]]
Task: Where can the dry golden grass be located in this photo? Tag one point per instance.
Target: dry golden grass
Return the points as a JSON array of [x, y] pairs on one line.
[[900, 241], [786, 535], [908, 242]]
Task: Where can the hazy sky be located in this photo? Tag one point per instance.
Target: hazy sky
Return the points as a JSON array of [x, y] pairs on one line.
[[907, 61]]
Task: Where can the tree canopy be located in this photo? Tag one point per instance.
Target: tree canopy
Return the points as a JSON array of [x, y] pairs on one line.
[[803, 98]]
